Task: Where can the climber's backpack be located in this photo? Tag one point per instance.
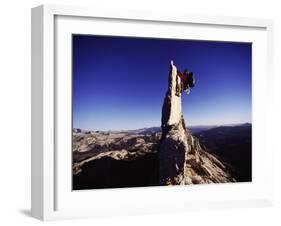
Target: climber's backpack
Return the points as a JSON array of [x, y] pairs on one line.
[[191, 80]]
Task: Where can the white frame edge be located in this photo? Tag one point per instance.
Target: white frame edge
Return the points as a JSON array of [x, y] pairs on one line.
[[37, 113], [42, 83], [42, 111]]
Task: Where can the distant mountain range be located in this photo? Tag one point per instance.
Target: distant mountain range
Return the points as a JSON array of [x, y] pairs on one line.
[[157, 129], [192, 129]]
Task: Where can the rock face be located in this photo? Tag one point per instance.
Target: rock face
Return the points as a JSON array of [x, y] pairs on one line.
[[202, 167], [173, 147], [181, 158]]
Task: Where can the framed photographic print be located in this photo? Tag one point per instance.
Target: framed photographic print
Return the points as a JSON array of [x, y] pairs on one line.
[[137, 112]]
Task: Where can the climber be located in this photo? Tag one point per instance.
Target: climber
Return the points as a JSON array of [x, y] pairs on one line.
[[187, 82]]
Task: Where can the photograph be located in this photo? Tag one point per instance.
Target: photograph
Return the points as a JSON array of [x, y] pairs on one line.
[[152, 111]]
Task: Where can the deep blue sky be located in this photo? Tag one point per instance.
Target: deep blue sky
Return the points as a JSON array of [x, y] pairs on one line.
[[120, 83]]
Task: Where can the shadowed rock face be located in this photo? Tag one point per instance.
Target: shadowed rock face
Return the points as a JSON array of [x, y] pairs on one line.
[[108, 172]]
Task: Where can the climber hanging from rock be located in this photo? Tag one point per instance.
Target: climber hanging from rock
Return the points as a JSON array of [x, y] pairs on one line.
[[185, 81]]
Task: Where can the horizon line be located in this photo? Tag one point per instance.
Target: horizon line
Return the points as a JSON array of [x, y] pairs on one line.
[[210, 125]]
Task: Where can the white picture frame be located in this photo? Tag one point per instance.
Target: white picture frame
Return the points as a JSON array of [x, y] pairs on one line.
[[52, 197]]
